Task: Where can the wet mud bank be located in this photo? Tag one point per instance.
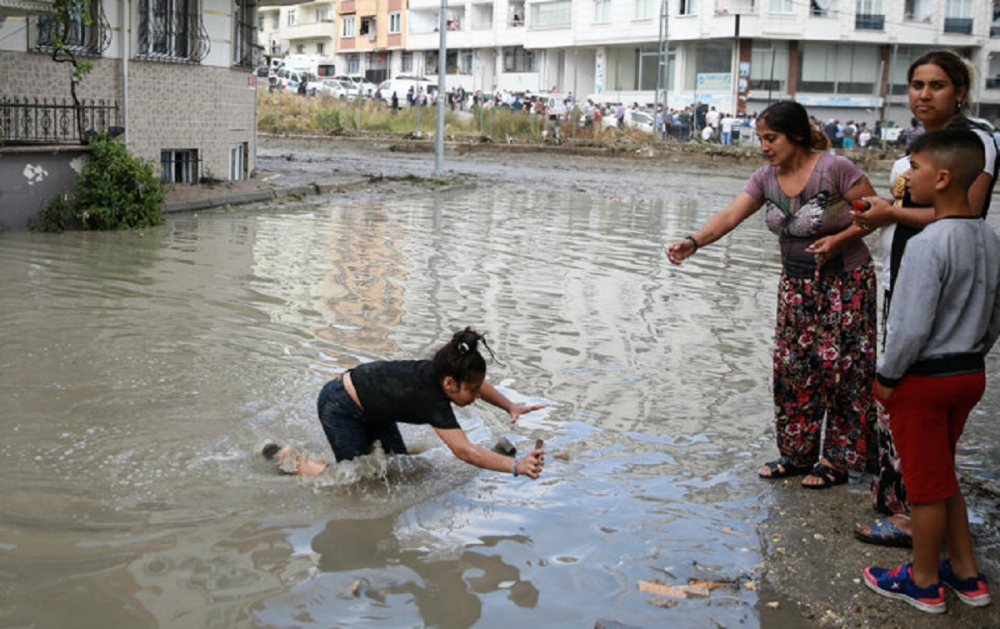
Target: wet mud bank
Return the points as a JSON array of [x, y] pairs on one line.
[[813, 562]]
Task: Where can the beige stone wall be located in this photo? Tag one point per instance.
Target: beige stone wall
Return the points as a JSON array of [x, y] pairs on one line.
[[171, 106], [174, 106]]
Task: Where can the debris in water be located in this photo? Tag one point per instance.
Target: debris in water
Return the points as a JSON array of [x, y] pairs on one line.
[[504, 446]]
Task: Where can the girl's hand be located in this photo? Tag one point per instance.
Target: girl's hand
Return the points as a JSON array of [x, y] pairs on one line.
[[680, 250], [520, 409], [878, 215], [531, 465]]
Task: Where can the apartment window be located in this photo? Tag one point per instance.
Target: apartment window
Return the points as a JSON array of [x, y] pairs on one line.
[[275, 21], [367, 26], [395, 23], [323, 15], [556, 14], [708, 58], [172, 30], [406, 62], [769, 67], [300, 49], [260, 23], [244, 50], [687, 7], [870, 15], [958, 17], [602, 11], [643, 10], [787, 6], [519, 60], [320, 49], [179, 166], [431, 62], [347, 26], [917, 10], [353, 64], [838, 68], [93, 38], [291, 17]]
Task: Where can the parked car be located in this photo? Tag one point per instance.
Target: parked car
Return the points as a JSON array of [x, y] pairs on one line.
[[367, 87], [641, 120], [343, 90], [401, 85]]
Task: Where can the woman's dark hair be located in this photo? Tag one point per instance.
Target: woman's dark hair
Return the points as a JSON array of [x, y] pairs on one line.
[[951, 64], [792, 119], [460, 357]]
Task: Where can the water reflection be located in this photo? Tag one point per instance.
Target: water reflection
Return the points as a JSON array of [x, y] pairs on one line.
[[141, 369]]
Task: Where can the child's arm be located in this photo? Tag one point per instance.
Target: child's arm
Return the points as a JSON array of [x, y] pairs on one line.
[[490, 394], [459, 444], [911, 318]]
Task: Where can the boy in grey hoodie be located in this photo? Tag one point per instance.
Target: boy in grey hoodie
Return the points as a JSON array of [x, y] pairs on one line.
[[945, 318]]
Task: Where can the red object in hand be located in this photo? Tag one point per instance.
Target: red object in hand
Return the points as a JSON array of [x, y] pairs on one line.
[[860, 206]]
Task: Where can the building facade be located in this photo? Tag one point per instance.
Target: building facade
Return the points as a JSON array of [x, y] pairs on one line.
[[841, 58], [174, 79]]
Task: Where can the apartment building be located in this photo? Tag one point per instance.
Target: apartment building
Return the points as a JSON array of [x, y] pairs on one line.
[[841, 58]]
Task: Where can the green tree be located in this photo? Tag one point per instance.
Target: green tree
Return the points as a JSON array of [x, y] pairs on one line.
[[70, 16]]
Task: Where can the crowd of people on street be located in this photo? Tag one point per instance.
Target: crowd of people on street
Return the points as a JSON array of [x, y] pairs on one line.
[[837, 408]]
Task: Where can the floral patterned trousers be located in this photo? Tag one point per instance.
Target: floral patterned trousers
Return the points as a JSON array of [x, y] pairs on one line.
[[824, 366]]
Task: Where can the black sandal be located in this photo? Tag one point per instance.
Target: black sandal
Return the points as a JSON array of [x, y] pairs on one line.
[[831, 477], [783, 468]]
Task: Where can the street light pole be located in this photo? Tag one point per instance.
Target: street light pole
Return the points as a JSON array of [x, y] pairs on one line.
[[442, 69]]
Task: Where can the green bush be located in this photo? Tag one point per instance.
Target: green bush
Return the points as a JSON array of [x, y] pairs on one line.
[[115, 191]]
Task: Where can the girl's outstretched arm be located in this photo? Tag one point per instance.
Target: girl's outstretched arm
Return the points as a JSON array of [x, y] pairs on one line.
[[490, 394], [458, 442]]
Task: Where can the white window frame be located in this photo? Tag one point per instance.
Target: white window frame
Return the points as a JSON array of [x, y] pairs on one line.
[[643, 9], [291, 17], [395, 23], [347, 26], [782, 7], [602, 12]]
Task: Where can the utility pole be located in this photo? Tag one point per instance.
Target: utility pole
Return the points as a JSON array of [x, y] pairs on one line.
[[442, 71], [663, 76]]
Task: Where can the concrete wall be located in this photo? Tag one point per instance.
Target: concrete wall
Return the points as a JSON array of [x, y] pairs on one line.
[[30, 177]]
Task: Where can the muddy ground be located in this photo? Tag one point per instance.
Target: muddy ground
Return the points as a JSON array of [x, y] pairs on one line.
[[813, 563]]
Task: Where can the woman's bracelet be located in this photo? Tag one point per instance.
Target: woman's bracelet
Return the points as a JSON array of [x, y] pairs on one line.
[[513, 467], [693, 242]]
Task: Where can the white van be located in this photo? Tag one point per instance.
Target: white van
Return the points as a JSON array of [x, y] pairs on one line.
[[401, 84], [319, 66], [290, 80]]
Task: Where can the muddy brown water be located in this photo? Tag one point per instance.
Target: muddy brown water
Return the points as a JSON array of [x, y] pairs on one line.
[[141, 370]]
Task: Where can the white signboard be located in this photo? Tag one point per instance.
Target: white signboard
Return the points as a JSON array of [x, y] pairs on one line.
[[715, 82], [870, 102]]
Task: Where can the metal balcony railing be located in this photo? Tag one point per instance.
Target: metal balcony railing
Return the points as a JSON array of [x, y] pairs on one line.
[[34, 121], [959, 25], [869, 22]]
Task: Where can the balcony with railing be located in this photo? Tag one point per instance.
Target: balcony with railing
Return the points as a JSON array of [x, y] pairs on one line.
[[25, 121], [958, 25], [869, 22]]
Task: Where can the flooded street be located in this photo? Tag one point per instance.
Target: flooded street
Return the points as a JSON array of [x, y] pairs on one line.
[[142, 370]]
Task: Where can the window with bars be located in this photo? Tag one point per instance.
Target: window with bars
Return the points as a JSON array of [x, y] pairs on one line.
[[172, 30], [245, 50], [179, 166], [87, 32]]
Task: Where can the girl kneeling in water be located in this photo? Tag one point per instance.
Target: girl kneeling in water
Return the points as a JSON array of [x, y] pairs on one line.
[[366, 404]]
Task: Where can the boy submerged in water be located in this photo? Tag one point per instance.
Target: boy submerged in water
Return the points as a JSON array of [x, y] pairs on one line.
[[364, 405], [945, 317]]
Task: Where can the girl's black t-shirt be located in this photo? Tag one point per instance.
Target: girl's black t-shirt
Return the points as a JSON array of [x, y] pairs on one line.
[[402, 391]]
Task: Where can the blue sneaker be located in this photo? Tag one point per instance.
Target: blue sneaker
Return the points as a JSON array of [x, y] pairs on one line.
[[898, 583], [972, 591]]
